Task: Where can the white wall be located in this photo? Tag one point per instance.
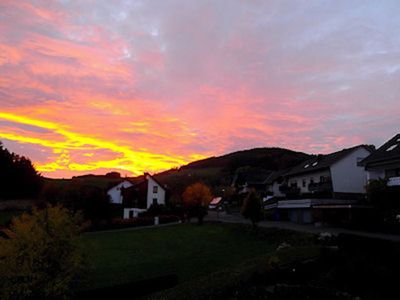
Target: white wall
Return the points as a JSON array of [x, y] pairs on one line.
[[135, 211], [160, 195], [347, 176], [115, 192], [299, 179], [275, 190]]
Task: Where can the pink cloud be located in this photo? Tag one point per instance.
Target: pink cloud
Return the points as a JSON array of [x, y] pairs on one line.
[[136, 87]]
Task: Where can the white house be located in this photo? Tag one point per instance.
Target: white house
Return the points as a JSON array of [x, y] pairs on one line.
[[385, 162], [338, 174], [115, 192], [273, 183], [323, 180], [138, 196]]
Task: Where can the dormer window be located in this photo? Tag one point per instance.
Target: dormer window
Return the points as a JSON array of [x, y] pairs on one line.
[[314, 164], [391, 147], [306, 166], [155, 189]]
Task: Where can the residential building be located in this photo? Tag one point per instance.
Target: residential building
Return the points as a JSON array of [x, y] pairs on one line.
[[274, 182], [385, 162], [336, 175], [324, 185], [115, 192], [137, 197], [249, 178]]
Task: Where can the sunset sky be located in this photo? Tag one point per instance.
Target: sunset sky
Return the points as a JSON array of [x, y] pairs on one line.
[[133, 86]]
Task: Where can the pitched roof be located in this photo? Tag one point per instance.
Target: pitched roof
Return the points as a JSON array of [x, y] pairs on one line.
[[275, 176], [139, 180], [320, 162], [252, 175], [388, 151], [115, 184]]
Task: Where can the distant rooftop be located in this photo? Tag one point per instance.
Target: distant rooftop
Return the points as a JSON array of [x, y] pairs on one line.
[[388, 151]]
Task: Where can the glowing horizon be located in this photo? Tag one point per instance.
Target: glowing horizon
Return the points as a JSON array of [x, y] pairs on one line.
[[134, 86]]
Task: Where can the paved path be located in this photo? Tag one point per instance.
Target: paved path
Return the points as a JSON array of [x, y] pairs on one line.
[[237, 218], [133, 228]]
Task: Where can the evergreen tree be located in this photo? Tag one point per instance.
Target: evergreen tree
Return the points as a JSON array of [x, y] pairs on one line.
[[18, 177]]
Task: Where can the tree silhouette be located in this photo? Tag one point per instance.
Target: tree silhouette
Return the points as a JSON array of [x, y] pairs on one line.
[[251, 208], [18, 177]]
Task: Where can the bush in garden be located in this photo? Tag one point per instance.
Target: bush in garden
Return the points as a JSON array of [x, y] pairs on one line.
[[41, 255]]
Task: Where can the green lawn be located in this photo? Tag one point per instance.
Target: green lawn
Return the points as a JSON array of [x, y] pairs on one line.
[[187, 250]]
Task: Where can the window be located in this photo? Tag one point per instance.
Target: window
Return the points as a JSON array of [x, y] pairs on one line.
[[306, 166], [154, 201], [314, 164], [391, 147], [312, 180], [304, 183], [155, 189], [322, 179]]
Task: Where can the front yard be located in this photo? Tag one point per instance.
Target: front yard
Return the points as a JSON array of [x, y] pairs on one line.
[[189, 251]]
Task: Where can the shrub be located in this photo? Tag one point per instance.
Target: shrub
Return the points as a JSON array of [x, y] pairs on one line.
[[133, 222], [41, 255], [169, 219]]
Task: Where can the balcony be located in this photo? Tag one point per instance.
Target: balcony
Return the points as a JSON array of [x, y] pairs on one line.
[[320, 187], [393, 181]]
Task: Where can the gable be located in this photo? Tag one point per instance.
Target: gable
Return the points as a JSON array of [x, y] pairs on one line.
[[118, 187], [155, 182]]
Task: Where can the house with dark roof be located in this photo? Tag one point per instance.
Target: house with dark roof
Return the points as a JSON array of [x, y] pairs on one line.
[[385, 162], [274, 182], [334, 181], [250, 178], [137, 196], [335, 175], [114, 193]]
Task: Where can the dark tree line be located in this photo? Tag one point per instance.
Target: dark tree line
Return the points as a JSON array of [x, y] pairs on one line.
[[92, 201], [18, 177]]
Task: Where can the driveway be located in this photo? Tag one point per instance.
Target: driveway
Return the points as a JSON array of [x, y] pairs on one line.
[[237, 218]]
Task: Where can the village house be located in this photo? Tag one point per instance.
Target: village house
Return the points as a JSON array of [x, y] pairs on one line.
[[274, 182], [114, 193], [249, 178], [384, 163], [337, 175], [136, 197], [322, 184]]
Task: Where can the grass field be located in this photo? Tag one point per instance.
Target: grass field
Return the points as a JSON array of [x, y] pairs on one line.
[[187, 250]]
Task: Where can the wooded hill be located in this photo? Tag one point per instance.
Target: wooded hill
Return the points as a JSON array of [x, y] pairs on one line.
[[217, 172]]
